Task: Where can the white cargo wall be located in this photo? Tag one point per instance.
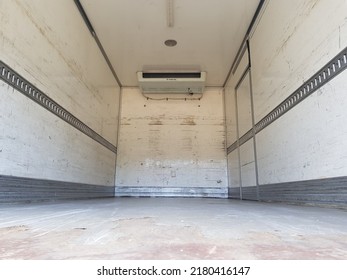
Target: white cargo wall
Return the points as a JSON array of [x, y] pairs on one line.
[[302, 155], [171, 147], [48, 44]]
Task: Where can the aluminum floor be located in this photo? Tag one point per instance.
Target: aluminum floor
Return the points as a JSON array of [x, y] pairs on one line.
[[171, 228]]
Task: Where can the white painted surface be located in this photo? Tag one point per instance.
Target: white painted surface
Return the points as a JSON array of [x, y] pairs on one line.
[[233, 169], [208, 34], [244, 112], [37, 144], [238, 122], [310, 141], [230, 105], [288, 47], [47, 42], [247, 161], [291, 42], [173, 143], [230, 115]]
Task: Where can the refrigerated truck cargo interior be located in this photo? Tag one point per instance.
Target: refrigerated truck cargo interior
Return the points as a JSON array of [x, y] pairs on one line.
[[173, 129]]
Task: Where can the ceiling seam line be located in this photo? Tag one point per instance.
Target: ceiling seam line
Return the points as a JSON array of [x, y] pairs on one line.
[[96, 38]]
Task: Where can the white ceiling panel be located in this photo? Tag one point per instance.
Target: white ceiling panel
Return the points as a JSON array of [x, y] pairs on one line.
[[208, 35]]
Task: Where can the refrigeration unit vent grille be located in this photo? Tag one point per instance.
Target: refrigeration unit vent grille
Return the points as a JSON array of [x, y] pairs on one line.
[[186, 83]]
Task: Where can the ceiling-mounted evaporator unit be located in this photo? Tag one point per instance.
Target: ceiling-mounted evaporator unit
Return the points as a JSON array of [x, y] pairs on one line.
[[189, 83]]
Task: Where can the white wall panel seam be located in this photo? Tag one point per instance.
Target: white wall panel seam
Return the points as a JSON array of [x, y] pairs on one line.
[[253, 119]]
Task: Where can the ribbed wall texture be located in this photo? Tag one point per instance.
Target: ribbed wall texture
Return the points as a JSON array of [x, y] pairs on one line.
[[16, 189], [330, 191]]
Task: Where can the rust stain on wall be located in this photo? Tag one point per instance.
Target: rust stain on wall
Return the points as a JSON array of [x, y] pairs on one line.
[[189, 120], [156, 122]]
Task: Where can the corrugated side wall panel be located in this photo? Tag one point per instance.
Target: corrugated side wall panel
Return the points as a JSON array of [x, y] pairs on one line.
[[301, 156], [49, 45]]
